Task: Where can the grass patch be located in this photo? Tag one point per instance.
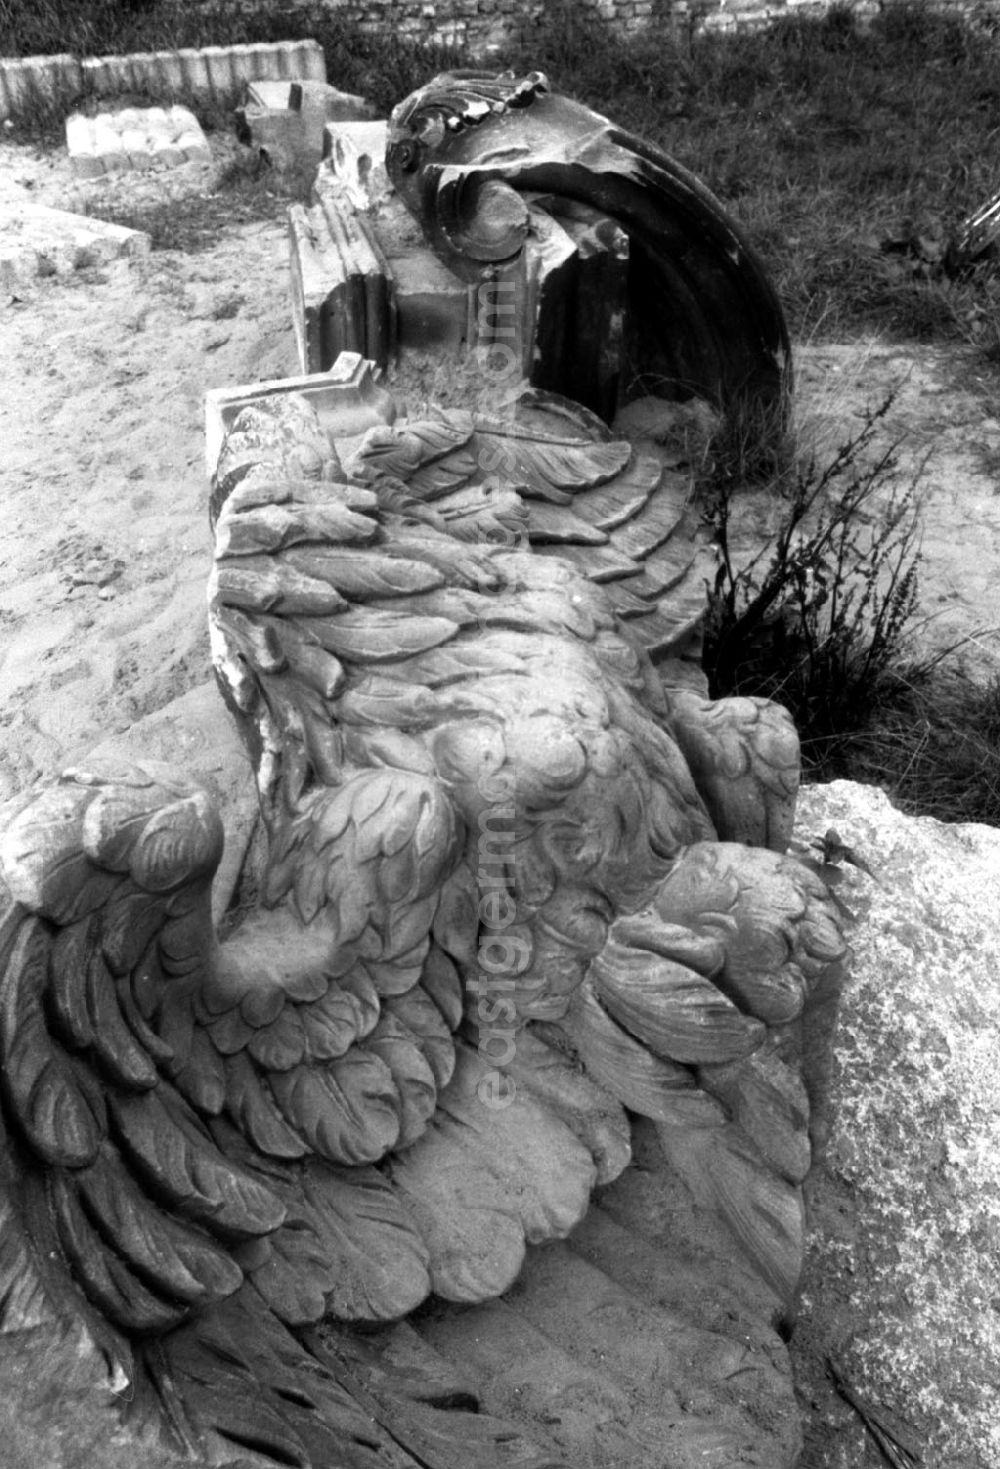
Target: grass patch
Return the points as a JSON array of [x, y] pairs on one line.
[[817, 618], [934, 743], [827, 139], [245, 191]]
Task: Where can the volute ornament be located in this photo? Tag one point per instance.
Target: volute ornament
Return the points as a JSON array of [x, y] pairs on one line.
[[471, 154]]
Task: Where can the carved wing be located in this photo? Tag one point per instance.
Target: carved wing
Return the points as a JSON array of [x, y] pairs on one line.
[[697, 1014], [681, 1010], [447, 649], [213, 1148], [548, 474], [179, 1121]]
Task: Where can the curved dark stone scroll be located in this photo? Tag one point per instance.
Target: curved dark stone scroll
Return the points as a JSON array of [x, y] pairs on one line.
[[468, 154]]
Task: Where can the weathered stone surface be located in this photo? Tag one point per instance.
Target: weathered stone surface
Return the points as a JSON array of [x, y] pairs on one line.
[[135, 138], [354, 160], [196, 734], [341, 286], [645, 1339], [903, 1281], [286, 121], [349, 397], [37, 241]]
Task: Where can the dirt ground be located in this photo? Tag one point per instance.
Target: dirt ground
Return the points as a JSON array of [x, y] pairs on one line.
[[105, 547]]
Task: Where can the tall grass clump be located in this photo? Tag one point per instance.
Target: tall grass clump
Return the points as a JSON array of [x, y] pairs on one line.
[[816, 620], [822, 620]]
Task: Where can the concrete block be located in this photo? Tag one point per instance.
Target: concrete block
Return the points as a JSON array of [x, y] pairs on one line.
[[80, 145], [185, 133], [274, 95], [221, 65], [97, 74], [257, 61], [321, 100], [286, 119], [194, 68], [37, 241], [142, 67], [349, 399], [135, 138], [299, 60], [107, 144], [275, 133], [122, 78]]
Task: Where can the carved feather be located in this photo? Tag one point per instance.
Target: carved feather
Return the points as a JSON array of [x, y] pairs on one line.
[[39, 1084], [674, 1010], [381, 1259], [273, 528], [175, 1158], [348, 1112], [466, 1217], [547, 1173], [361, 576], [643, 1082], [111, 1285]]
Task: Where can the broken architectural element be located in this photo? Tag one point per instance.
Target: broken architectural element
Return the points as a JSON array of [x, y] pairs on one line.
[[410, 1059], [134, 138], [286, 120], [520, 882], [608, 269]]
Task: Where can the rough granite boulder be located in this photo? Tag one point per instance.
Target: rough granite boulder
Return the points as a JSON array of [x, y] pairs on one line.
[[902, 1288]]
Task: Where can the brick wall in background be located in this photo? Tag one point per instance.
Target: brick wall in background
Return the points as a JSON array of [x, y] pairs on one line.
[[482, 24]]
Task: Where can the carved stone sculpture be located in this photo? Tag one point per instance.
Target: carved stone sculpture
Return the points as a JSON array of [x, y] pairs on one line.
[[515, 882], [600, 264], [522, 878]]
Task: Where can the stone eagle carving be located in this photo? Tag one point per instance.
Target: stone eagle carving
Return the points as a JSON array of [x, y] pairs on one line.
[[520, 878]]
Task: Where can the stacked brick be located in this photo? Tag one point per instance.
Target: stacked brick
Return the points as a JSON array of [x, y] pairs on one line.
[[215, 71], [483, 24]]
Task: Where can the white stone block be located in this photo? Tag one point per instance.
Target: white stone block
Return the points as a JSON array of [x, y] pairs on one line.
[[349, 399]]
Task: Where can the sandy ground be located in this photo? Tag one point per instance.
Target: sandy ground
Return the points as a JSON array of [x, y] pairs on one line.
[[944, 421], [105, 546]]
